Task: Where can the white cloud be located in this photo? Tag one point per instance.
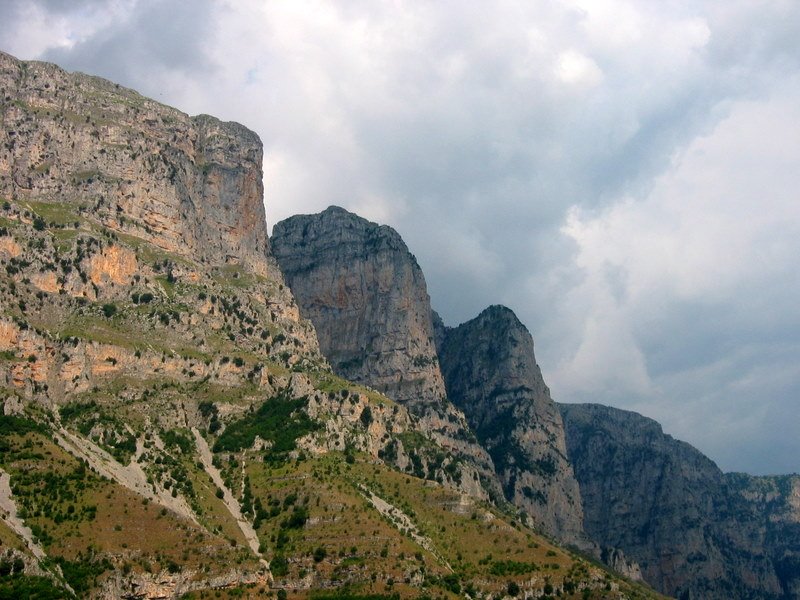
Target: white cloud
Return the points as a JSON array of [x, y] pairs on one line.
[[713, 247], [474, 129], [578, 69]]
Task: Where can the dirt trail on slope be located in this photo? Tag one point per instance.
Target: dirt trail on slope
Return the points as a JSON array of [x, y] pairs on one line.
[[402, 521], [9, 514], [231, 503], [131, 476]]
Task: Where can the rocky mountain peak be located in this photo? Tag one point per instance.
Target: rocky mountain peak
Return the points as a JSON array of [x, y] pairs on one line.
[[366, 295], [491, 374]]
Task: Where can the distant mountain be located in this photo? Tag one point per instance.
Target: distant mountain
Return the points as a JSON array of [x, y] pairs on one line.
[[694, 531]]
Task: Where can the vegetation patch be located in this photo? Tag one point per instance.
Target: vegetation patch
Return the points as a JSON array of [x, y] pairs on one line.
[[82, 575], [15, 586], [279, 421], [55, 213], [502, 568], [13, 425]]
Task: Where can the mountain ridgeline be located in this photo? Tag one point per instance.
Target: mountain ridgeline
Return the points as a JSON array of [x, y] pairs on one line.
[[605, 480], [696, 532], [492, 375], [169, 427], [189, 409]]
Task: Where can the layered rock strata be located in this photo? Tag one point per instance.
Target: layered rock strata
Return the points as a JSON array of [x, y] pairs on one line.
[[190, 185]]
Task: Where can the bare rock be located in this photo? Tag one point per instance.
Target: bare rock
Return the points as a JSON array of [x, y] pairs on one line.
[[367, 297], [695, 532], [491, 374]]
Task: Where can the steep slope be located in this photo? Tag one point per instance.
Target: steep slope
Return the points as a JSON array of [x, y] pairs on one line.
[[491, 374], [366, 295], [168, 427], [769, 507], [695, 532]]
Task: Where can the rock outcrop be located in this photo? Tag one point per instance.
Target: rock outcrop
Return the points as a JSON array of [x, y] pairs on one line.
[[491, 374], [695, 532], [367, 297], [190, 185]]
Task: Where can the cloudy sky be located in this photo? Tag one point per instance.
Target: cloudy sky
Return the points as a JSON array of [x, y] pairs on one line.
[[623, 174]]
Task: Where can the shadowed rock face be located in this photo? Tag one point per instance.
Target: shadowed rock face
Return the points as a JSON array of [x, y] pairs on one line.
[[491, 374], [366, 295], [695, 532], [190, 185]]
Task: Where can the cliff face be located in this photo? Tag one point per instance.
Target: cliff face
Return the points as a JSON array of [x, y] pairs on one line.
[[693, 532], [189, 185], [765, 514], [491, 374], [366, 295]]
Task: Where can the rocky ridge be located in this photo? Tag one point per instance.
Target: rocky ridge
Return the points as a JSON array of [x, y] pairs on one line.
[[189, 185], [695, 532], [649, 506], [491, 374], [366, 295], [143, 325]]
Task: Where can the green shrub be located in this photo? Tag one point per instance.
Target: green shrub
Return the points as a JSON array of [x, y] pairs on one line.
[[82, 575], [279, 565], [279, 420], [502, 568]]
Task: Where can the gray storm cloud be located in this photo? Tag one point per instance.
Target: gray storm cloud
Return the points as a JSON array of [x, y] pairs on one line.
[[622, 174]]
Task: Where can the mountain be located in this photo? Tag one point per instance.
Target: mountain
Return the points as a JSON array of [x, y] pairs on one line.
[[694, 531], [605, 480], [366, 295], [491, 374], [168, 425]]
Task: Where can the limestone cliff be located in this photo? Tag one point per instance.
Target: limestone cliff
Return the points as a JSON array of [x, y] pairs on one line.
[[366, 295], [491, 374], [695, 532], [189, 185]]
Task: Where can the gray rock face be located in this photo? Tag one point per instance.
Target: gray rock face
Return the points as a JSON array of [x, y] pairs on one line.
[[765, 513], [695, 532], [366, 296], [491, 374]]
